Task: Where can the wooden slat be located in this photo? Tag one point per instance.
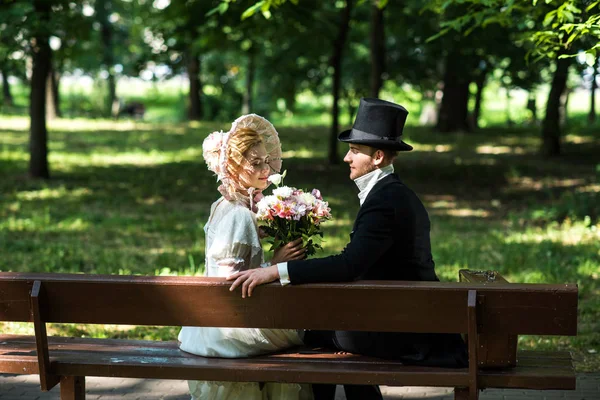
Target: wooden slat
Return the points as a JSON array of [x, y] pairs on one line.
[[163, 360], [401, 306]]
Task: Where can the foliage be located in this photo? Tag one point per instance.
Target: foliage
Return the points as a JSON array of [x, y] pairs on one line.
[[552, 26]]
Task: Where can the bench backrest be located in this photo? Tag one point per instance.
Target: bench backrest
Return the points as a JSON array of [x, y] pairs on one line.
[[366, 305]]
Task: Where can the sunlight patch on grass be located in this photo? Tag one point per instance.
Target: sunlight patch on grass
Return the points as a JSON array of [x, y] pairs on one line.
[[52, 193], [16, 123], [300, 153], [442, 204], [438, 148], [333, 245], [11, 155], [73, 225], [17, 328], [529, 183], [590, 268], [488, 149], [570, 233], [163, 250], [594, 188], [531, 142], [462, 212], [13, 139], [67, 161], [578, 139], [338, 222]]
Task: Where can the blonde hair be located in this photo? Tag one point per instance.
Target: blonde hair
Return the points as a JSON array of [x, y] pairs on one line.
[[240, 141]]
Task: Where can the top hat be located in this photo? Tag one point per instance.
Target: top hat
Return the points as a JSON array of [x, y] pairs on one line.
[[378, 124]]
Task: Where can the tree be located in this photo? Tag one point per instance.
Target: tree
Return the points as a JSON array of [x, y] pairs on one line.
[[551, 124], [40, 52], [103, 10], [12, 45], [556, 29], [593, 87], [6, 94], [184, 43], [336, 62], [564, 23], [377, 39]]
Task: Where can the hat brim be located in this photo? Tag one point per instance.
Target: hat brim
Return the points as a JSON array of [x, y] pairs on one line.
[[397, 145]]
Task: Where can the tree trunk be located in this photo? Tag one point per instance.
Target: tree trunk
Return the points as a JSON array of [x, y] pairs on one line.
[[112, 93], [532, 107], [592, 113], [193, 69], [56, 92], [480, 82], [51, 106], [377, 35], [509, 120], [564, 106], [38, 139], [103, 8], [50, 109], [551, 124], [351, 106], [290, 96], [336, 62], [454, 109], [247, 104], [6, 95]]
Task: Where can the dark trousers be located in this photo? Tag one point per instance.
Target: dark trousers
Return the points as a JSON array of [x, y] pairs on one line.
[[442, 350], [329, 339]]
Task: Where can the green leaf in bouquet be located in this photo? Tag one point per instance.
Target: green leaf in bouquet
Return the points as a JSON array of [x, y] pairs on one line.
[[317, 239], [305, 240]]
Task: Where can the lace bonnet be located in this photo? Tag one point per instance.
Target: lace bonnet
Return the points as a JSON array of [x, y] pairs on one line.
[[214, 149]]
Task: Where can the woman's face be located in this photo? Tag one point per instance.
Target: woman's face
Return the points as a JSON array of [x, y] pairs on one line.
[[257, 169]]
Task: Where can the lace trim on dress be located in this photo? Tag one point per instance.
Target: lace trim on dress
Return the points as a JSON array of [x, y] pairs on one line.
[[234, 253]]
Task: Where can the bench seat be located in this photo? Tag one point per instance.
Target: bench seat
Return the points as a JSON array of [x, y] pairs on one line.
[[163, 360]]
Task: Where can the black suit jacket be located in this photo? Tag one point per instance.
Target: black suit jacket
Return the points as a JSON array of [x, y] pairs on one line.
[[389, 241]]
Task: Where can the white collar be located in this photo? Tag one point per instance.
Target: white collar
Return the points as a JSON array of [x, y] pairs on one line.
[[366, 182]]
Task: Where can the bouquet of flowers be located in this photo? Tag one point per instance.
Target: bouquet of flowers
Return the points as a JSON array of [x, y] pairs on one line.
[[290, 213]]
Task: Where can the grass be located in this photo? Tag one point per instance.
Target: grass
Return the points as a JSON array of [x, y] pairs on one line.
[[131, 198]]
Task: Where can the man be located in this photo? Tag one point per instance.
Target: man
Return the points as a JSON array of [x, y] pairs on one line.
[[389, 241]]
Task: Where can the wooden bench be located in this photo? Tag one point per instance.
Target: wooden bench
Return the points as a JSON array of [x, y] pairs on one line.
[[492, 314]]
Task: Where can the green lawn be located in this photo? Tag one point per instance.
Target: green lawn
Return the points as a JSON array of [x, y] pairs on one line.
[[131, 198]]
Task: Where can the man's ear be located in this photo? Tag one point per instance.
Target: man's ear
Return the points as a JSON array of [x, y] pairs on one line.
[[378, 157]]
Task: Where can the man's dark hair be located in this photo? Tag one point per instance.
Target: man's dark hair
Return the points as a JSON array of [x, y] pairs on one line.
[[389, 154]]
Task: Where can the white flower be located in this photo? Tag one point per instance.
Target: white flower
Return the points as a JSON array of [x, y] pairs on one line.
[[266, 202], [276, 179], [283, 192], [306, 198]]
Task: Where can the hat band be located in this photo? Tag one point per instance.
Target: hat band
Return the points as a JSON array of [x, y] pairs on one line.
[[362, 135]]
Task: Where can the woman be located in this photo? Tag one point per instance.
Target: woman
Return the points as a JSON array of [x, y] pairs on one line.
[[242, 159]]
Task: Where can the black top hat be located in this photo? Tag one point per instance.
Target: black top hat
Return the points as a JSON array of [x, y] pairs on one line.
[[378, 124]]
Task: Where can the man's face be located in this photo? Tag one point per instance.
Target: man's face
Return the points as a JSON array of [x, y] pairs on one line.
[[360, 159]]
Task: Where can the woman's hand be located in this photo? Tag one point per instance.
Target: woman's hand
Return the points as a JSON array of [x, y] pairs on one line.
[[289, 252]]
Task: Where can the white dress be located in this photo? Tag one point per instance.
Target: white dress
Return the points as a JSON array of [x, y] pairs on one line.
[[232, 245]]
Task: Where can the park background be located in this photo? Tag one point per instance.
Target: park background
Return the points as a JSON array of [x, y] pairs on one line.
[[105, 105]]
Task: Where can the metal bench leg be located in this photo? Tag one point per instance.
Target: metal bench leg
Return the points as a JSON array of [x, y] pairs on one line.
[[72, 388]]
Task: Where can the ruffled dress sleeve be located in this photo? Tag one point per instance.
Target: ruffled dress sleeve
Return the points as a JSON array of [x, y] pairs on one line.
[[236, 244]]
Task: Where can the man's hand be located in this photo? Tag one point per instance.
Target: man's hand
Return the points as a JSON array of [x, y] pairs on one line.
[[251, 278]]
